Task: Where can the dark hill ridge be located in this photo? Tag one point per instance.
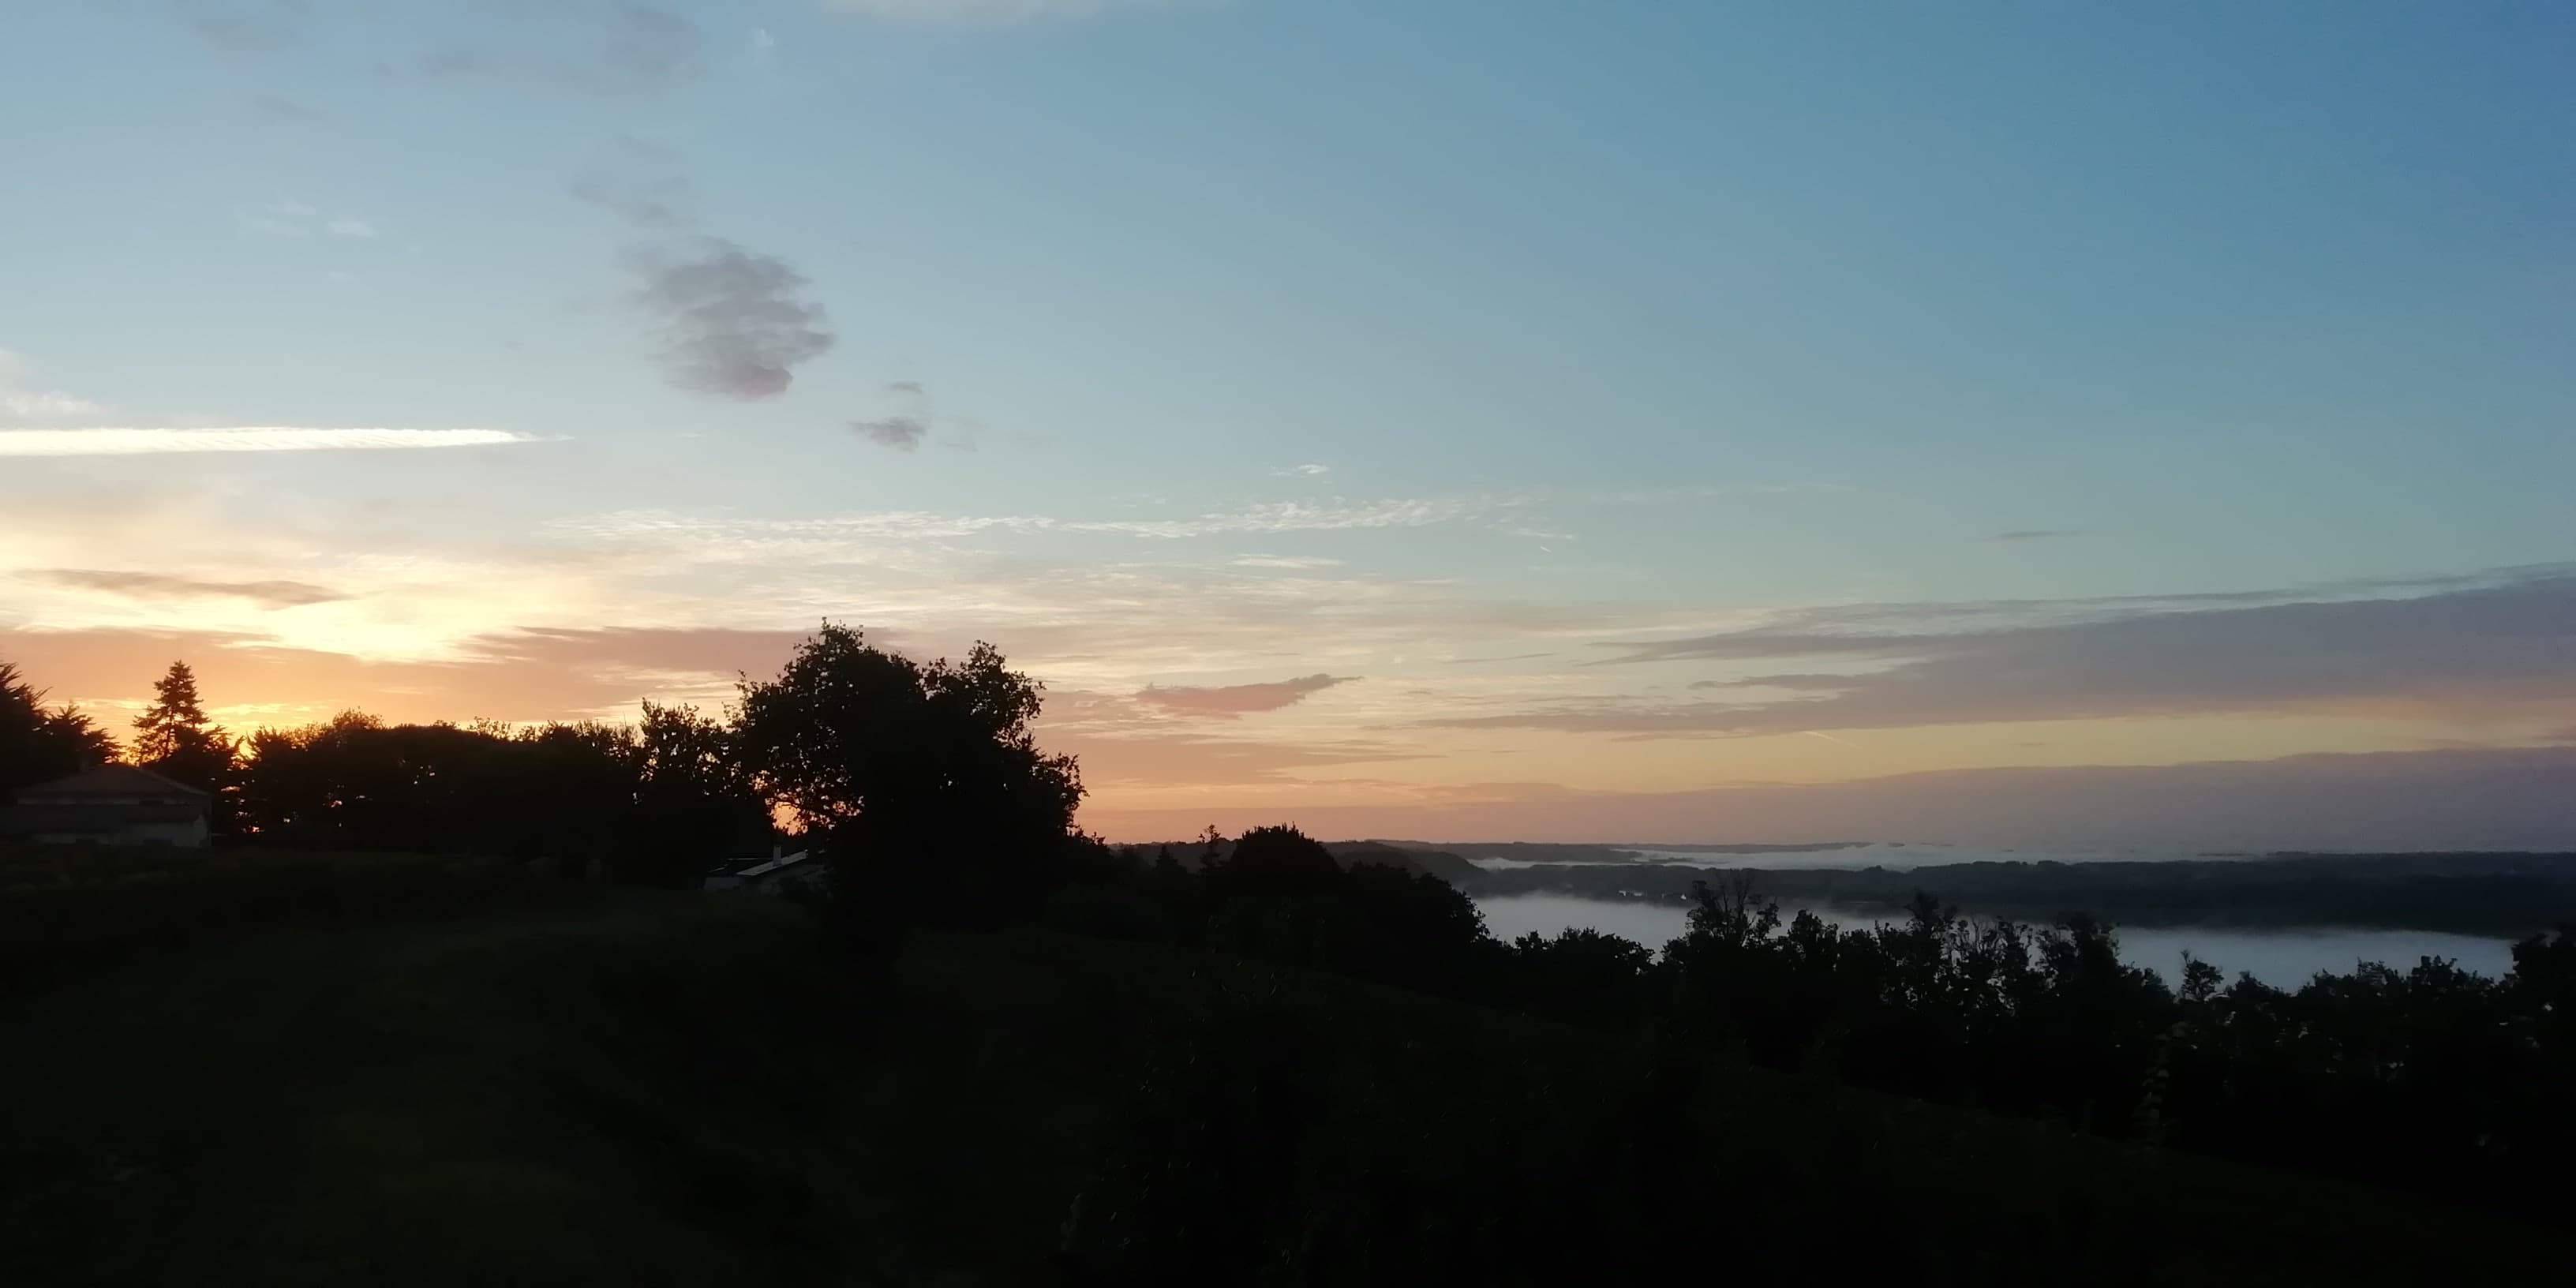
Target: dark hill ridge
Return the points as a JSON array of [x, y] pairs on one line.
[[1439, 863], [2508, 894]]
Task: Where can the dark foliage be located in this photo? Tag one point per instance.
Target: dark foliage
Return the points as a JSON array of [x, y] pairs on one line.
[[2428, 1078], [38, 742], [922, 777], [174, 737], [1582, 976], [654, 805], [68, 912], [1293, 1133]]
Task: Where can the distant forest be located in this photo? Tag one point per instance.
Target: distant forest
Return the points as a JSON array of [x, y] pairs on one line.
[[2508, 895]]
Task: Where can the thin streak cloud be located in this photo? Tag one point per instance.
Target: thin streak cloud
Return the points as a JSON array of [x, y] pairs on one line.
[[985, 13], [144, 585], [1234, 700], [260, 438]]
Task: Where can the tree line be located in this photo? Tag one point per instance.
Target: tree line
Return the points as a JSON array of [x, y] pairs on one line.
[[2427, 1078], [922, 779], [924, 785], [653, 802]]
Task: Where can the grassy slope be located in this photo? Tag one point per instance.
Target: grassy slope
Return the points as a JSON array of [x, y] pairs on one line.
[[641, 1088]]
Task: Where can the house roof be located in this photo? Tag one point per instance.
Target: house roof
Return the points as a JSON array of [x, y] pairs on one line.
[[746, 869], [35, 820], [111, 780]]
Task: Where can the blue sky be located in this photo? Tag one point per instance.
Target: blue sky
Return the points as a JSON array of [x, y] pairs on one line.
[[1553, 327]]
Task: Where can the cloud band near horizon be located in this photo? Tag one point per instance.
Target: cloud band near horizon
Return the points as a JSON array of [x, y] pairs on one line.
[[241, 438]]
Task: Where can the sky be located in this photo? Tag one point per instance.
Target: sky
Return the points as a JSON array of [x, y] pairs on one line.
[[2114, 424]]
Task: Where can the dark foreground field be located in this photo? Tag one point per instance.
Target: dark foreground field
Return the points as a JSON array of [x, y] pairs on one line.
[[545, 1082]]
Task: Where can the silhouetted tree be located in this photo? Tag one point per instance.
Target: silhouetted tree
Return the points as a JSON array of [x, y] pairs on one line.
[[924, 777], [174, 737], [1582, 976], [694, 797], [1277, 861], [38, 742], [357, 783]]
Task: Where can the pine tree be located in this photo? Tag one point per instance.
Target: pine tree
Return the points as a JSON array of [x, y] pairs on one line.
[[175, 737]]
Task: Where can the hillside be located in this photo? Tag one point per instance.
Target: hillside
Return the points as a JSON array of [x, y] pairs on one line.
[[571, 1085]]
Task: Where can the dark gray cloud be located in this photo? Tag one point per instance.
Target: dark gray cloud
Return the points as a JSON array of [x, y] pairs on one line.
[[248, 24], [912, 387], [664, 201], [274, 110], [903, 433], [1234, 700], [2488, 646], [2038, 534], [145, 585], [734, 322]]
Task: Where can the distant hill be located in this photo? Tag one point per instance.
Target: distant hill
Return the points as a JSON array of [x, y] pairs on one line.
[[1439, 863]]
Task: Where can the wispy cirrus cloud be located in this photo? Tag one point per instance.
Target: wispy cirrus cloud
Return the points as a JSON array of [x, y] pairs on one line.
[[274, 109], [50, 404], [248, 24], [1287, 516], [659, 201], [24, 398], [519, 675], [2498, 643], [1286, 563], [988, 13], [289, 217], [145, 585], [1282, 517], [614, 47], [243, 438]]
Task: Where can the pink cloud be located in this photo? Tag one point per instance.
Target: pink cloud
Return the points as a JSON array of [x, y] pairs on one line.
[[1231, 701]]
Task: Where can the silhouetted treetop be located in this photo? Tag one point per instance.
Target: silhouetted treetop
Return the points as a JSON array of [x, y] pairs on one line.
[[926, 770], [37, 742], [1278, 860], [175, 738]]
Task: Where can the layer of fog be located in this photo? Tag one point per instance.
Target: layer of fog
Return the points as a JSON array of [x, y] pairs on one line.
[[2283, 958], [1895, 856]]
